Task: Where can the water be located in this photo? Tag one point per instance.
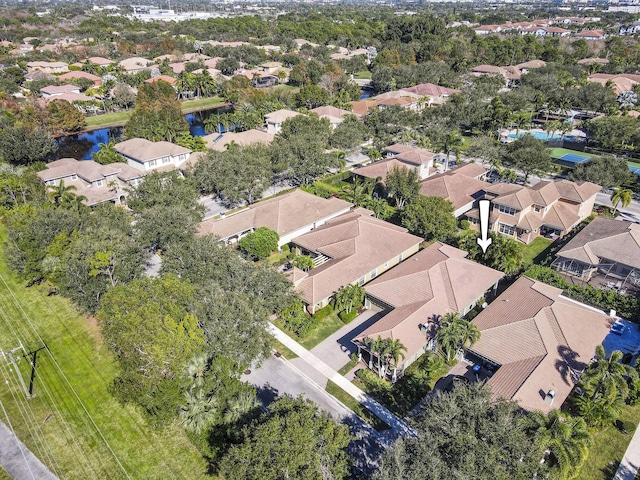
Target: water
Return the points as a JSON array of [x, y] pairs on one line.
[[366, 93], [82, 146], [544, 136]]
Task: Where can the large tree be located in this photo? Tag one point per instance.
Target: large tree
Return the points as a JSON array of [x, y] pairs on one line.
[[260, 243], [62, 118], [614, 132], [148, 326], [294, 440], [349, 134], [429, 217], [157, 115], [403, 185], [454, 333], [528, 155], [22, 145], [464, 434], [606, 170]]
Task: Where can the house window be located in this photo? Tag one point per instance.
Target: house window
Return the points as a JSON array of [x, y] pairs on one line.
[[99, 183], [506, 210], [399, 258], [51, 183], [537, 208], [507, 229], [472, 221], [152, 163], [373, 274], [361, 281], [386, 264], [182, 157], [74, 177], [165, 159]]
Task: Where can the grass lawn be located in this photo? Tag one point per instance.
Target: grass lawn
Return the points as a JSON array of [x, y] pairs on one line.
[[108, 120], [4, 475], [326, 327], [284, 350], [54, 424], [365, 74], [348, 367], [189, 106], [534, 249], [609, 446], [352, 403]]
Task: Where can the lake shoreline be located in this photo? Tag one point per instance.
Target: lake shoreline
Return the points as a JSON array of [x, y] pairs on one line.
[[122, 123]]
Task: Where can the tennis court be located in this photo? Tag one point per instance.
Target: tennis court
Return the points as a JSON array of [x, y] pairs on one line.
[[634, 167], [569, 157]]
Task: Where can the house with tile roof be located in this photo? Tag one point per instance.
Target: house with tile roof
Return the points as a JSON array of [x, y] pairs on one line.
[[57, 90], [436, 94], [620, 83], [48, 67], [289, 215], [549, 208], [274, 120], [399, 156], [98, 183], [414, 295], [220, 141], [606, 249], [149, 156], [134, 64], [535, 343], [97, 81], [462, 186], [353, 248], [335, 115]]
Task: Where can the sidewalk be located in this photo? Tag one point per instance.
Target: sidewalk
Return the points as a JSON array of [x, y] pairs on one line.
[[381, 412], [18, 460], [630, 463]]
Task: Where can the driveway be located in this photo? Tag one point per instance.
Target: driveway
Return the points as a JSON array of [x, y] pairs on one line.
[[335, 350]]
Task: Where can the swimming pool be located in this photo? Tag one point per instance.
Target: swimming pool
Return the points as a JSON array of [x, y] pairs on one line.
[[544, 136]]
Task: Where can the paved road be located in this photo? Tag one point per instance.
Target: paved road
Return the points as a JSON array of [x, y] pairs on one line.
[[381, 412], [630, 463], [278, 376], [18, 460], [630, 213]]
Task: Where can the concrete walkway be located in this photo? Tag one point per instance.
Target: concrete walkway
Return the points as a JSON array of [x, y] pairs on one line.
[[381, 412], [18, 460], [630, 463]]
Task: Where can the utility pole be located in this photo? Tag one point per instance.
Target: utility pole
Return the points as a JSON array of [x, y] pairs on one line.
[[9, 355]]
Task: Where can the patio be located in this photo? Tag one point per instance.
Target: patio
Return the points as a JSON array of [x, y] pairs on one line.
[[604, 282]]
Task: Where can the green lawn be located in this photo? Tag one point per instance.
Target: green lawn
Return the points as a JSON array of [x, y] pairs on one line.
[[189, 106], [352, 403], [327, 326], [609, 446], [284, 350], [55, 425], [108, 120], [365, 74], [534, 249], [4, 475], [348, 367]]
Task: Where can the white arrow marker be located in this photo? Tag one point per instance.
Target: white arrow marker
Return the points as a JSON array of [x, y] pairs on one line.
[[484, 241]]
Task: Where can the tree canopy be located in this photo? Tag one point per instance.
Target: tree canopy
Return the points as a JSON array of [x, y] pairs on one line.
[[429, 217]]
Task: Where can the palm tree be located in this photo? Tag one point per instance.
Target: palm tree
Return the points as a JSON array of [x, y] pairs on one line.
[[377, 347], [393, 353], [199, 412], [452, 140], [196, 370], [454, 333], [61, 192], [565, 440], [621, 196], [240, 406], [606, 376]]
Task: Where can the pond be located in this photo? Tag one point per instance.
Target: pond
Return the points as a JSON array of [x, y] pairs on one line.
[[83, 145]]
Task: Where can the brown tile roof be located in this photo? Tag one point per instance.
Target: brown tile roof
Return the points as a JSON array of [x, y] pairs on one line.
[[58, 89], [279, 116], [87, 169], [399, 148], [219, 141], [357, 244], [433, 282], [416, 156], [379, 169], [331, 111], [76, 74], [166, 78], [430, 89], [605, 238], [538, 338], [283, 214], [143, 150], [362, 107], [455, 186]]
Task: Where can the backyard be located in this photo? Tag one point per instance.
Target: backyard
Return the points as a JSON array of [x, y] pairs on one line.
[[73, 424], [534, 250]]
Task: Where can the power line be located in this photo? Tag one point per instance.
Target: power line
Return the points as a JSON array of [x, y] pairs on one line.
[[65, 377], [17, 441], [52, 402]]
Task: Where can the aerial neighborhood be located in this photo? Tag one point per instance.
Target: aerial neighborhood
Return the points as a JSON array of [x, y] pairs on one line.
[[340, 240]]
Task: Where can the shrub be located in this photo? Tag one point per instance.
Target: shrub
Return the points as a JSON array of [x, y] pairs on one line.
[[323, 312], [464, 224], [260, 243], [348, 317], [297, 320]]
